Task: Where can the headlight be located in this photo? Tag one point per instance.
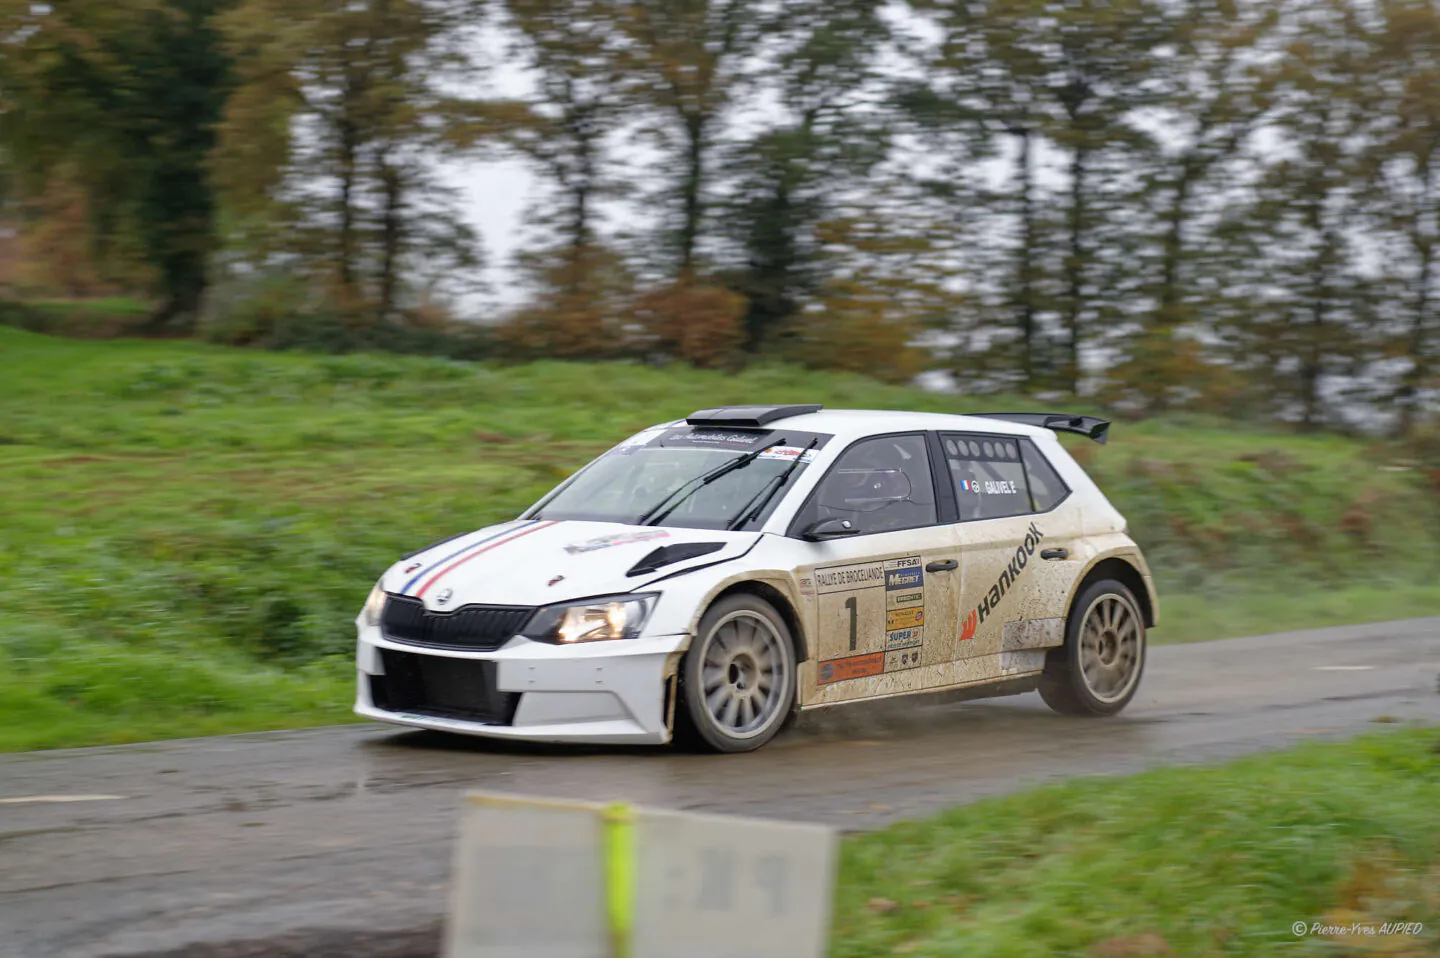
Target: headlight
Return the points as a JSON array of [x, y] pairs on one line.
[[591, 620], [374, 606]]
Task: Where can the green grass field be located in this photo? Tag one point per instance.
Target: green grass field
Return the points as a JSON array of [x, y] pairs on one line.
[[188, 530], [1199, 862]]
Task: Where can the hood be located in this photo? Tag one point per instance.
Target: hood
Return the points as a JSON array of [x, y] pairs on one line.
[[529, 562]]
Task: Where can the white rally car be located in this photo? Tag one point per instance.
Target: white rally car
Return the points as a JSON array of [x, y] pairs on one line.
[[710, 577]]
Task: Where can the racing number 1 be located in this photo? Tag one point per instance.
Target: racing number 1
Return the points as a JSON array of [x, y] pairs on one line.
[[854, 620]]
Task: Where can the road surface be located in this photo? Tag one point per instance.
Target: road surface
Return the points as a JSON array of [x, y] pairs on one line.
[[337, 841]]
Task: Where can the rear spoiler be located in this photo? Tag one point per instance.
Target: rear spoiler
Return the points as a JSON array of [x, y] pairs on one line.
[[1089, 426]]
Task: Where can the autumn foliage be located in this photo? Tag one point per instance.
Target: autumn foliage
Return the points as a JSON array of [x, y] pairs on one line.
[[693, 321]]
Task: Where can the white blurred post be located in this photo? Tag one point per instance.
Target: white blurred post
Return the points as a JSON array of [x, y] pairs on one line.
[[710, 886], [529, 880], [574, 880]]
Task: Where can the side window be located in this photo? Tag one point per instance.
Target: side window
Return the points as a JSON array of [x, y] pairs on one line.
[[881, 485], [988, 475], [1047, 490]]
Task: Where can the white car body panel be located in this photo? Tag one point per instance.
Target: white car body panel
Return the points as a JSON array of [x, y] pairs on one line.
[[872, 620]]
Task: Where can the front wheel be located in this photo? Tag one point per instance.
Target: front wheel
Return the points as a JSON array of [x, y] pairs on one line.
[[738, 679], [1097, 670]]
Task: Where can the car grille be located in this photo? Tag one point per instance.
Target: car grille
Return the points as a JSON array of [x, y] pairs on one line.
[[478, 628], [443, 687]]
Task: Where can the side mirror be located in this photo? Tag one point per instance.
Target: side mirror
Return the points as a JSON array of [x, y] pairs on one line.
[[832, 528]]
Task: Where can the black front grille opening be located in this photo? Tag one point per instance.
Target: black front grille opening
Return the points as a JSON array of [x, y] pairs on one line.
[[480, 628], [442, 687]]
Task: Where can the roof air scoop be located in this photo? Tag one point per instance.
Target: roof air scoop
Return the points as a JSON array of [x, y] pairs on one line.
[[747, 417]]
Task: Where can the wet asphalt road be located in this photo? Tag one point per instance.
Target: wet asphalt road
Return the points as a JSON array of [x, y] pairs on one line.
[[337, 841]]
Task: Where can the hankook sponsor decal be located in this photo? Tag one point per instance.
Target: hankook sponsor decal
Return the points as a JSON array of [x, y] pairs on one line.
[[1008, 576]]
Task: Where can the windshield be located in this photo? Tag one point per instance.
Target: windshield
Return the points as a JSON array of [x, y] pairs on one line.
[[629, 482]]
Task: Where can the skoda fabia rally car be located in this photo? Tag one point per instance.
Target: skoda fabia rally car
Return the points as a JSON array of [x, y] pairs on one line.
[[709, 578]]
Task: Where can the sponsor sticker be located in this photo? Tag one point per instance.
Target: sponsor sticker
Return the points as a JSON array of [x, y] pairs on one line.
[[788, 453], [847, 578], [901, 660], [853, 667], [903, 638], [620, 538], [904, 619], [718, 438], [904, 578], [903, 600], [635, 442]]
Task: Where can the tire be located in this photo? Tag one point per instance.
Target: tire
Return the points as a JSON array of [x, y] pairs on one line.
[[1097, 670], [737, 682]]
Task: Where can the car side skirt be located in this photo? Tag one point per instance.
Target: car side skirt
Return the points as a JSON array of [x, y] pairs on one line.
[[984, 689]]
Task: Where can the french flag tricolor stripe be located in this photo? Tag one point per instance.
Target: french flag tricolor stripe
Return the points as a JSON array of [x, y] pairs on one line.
[[509, 528], [485, 546]]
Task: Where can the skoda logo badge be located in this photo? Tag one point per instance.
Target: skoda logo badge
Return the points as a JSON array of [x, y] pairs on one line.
[[443, 596]]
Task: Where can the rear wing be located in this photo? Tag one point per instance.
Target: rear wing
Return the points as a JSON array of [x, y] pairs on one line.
[[1089, 426]]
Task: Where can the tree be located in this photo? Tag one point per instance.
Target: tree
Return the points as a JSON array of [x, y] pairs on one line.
[[124, 97], [328, 149], [886, 285], [1303, 317], [575, 51], [1061, 81], [1214, 99], [790, 175], [1405, 167], [688, 59]]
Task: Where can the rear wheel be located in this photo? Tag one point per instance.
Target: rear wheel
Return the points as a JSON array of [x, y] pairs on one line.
[[1097, 670], [738, 679]]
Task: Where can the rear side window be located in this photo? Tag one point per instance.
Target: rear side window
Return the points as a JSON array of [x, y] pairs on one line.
[[1046, 488], [988, 474]]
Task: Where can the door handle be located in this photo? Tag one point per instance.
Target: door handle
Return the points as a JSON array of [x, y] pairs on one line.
[[1054, 553], [942, 565]]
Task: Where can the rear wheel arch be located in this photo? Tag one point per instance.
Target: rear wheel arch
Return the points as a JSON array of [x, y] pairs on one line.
[[1122, 571]]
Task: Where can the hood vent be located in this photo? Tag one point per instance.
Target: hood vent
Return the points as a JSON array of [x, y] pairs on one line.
[[657, 559]]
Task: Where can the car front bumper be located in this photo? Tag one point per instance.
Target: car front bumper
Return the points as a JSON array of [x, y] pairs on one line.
[[602, 693]]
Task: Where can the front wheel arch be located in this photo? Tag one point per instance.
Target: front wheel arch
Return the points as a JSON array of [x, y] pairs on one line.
[[782, 605]]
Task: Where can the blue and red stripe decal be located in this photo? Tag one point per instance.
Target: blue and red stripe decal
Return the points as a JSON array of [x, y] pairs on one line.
[[433, 572]]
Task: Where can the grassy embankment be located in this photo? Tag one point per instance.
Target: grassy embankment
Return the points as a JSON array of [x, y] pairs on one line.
[[1190, 861], [187, 530]]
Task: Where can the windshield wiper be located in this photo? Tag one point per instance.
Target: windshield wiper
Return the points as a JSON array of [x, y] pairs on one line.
[[767, 492], [654, 514]]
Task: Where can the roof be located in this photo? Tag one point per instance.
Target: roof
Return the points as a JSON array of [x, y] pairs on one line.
[[849, 424]]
